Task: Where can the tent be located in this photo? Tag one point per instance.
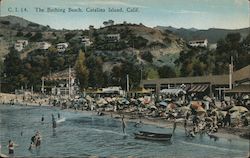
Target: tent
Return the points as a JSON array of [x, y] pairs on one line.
[[162, 103], [173, 91], [195, 104], [240, 109]]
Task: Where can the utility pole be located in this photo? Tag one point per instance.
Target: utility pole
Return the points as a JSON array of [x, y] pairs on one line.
[[249, 16], [231, 73], [0, 8], [42, 85], [127, 83], [69, 83]]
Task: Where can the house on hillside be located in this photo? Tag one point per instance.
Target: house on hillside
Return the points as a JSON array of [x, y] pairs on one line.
[[86, 41], [108, 23], [44, 45], [198, 43], [20, 45], [212, 46], [91, 27], [61, 47], [113, 37]]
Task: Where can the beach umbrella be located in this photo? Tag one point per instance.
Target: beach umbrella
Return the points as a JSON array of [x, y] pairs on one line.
[[208, 119], [146, 100], [235, 114], [200, 110], [141, 99], [109, 99], [162, 103], [167, 99], [207, 99], [184, 108], [222, 113], [246, 97], [240, 109], [195, 105], [153, 107], [89, 98], [171, 106]]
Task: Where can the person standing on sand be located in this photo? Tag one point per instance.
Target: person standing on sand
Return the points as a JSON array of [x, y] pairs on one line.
[[123, 125], [227, 119]]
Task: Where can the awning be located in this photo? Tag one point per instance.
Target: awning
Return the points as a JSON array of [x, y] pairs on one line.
[[173, 91], [198, 88], [187, 87]]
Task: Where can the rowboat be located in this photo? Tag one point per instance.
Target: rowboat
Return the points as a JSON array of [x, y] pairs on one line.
[[3, 156], [60, 120], [152, 136]]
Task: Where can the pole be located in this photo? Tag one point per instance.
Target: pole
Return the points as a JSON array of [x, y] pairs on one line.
[[43, 85], [249, 16], [69, 82], [127, 82], [0, 8], [231, 73]]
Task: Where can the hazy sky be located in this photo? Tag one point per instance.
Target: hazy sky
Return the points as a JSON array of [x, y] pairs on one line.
[[200, 14]]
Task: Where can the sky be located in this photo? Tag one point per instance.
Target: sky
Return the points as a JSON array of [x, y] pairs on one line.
[[200, 14]]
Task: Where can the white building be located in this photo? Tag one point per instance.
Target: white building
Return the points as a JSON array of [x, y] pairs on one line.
[[61, 47], [86, 41], [20, 45], [212, 46], [113, 90], [113, 37], [44, 45], [108, 23], [198, 43]]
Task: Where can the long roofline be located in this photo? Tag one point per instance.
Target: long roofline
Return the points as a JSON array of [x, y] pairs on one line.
[[238, 75]]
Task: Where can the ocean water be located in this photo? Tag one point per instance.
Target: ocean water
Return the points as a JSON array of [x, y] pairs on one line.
[[84, 134]]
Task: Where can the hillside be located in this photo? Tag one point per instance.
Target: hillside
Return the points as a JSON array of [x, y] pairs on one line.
[[138, 38], [212, 34]]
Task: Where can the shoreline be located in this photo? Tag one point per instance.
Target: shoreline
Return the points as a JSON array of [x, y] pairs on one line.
[[227, 133]]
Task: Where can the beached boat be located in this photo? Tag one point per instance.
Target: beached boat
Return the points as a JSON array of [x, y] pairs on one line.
[[152, 136]]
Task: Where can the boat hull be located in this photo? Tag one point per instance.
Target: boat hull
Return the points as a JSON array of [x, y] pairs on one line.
[[153, 136]]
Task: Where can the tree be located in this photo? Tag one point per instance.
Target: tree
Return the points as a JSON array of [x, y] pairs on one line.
[[147, 56], [166, 72], [82, 73], [37, 37], [152, 74], [13, 68], [94, 65], [19, 34]]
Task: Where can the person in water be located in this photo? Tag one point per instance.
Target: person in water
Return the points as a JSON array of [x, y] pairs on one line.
[[35, 140], [53, 121], [174, 125], [53, 117], [58, 115], [11, 146], [42, 118], [123, 124]]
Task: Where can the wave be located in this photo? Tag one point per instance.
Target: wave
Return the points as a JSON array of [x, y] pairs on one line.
[[211, 147], [104, 131]]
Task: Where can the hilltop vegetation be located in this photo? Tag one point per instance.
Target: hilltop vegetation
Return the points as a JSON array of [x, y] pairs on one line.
[[141, 52]]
